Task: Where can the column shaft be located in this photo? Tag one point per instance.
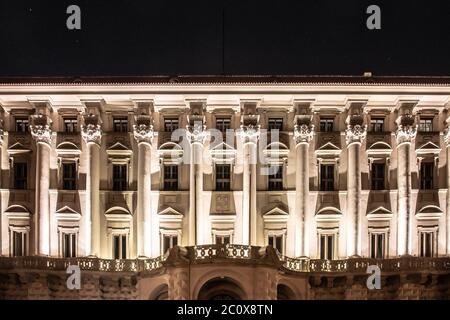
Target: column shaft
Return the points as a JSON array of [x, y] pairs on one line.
[[353, 199], [199, 212], [246, 196], [144, 224], [192, 200], [93, 199], [404, 191], [447, 221], [301, 199], [42, 197]]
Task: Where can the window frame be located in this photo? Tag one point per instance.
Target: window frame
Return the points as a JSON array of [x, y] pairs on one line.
[[25, 240], [120, 124], [23, 120], [119, 181], [73, 121], [377, 124], [222, 183], [171, 127], [275, 123], [275, 180], [221, 124], [24, 178], [328, 124], [331, 180], [426, 124]]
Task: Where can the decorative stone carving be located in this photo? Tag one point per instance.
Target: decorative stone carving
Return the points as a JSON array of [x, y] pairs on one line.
[[196, 132], [40, 129], [143, 129], [406, 130], [356, 130], [91, 131], [249, 133], [303, 133]]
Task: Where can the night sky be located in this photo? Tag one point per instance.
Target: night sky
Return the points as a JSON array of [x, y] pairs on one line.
[[220, 37]]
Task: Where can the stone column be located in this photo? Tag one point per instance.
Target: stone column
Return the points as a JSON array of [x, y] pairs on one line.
[[249, 135], [303, 134], [92, 133], [41, 132], [447, 218], [355, 134], [196, 134], [406, 131], [143, 133]]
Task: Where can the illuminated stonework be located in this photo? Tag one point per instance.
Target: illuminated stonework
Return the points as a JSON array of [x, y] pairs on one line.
[[125, 179]]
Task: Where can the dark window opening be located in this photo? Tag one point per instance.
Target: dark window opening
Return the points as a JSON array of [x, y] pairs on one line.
[[170, 177], [119, 177], [223, 177], [327, 177], [20, 175], [69, 176]]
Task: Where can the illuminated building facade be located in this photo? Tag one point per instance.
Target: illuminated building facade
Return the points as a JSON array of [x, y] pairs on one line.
[[208, 188]]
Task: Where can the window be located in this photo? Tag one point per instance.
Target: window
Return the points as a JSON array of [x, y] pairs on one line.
[[426, 175], [120, 124], [119, 177], [170, 177], [276, 241], [69, 245], [19, 244], [119, 246], [276, 178], [275, 124], [69, 175], [426, 125], [170, 124], [378, 176], [377, 245], [20, 175], [70, 125], [223, 239], [327, 177], [223, 177], [22, 124], [326, 124], [326, 246], [169, 241], [377, 124], [426, 244], [223, 124]]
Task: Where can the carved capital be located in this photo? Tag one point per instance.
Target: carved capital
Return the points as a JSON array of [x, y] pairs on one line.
[[355, 133], [249, 133], [91, 130], [40, 129], [196, 132], [143, 133], [406, 129], [303, 133]]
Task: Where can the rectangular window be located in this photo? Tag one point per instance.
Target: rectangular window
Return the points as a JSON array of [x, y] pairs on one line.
[[169, 241], [223, 177], [377, 245], [426, 175], [120, 246], [19, 244], [70, 125], [170, 177], [276, 178], [275, 124], [223, 240], [170, 124], [426, 125], [276, 241], [69, 175], [326, 124], [22, 124], [68, 245], [377, 124], [119, 177], [327, 246], [327, 177], [120, 124], [20, 175], [223, 124], [426, 245], [378, 176]]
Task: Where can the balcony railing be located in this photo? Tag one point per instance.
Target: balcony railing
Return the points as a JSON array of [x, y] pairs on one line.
[[220, 253]]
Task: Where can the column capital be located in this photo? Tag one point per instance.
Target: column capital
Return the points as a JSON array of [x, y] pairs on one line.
[[356, 129], [249, 133], [406, 129], [143, 130], [303, 133], [196, 133], [91, 130], [40, 128]]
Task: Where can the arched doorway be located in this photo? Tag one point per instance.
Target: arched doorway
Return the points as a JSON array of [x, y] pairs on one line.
[[160, 293], [285, 293], [223, 288]]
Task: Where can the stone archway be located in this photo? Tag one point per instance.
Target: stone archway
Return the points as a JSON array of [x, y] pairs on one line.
[[160, 293], [285, 293], [221, 288]]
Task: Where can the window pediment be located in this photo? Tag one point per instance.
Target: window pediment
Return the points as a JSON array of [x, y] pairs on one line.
[[67, 213], [18, 148], [429, 213], [223, 152], [328, 214], [118, 214], [379, 148], [428, 148], [379, 214], [17, 212], [328, 149]]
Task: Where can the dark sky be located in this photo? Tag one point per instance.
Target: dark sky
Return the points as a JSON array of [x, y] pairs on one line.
[[215, 37]]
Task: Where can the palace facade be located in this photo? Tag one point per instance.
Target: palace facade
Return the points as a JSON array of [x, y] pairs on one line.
[[225, 188]]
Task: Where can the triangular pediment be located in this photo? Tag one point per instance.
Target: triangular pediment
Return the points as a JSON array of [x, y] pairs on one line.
[[223, 147], [169, 211], [66, 210], [118, 147], [329, 146], [67, 213], [276, 211], [379, 214], [17, 148], [428, 147]]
